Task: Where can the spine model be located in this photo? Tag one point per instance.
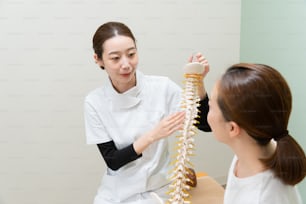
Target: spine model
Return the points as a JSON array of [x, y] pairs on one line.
[[181, 183]]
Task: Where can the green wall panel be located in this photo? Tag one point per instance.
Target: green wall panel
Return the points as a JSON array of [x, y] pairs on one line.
[[273, 32]]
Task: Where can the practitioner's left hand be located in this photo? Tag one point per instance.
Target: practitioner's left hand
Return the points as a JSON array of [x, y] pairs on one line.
[[201, 59]]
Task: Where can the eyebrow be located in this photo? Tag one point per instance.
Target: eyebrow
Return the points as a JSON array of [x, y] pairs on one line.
[[117, 52]]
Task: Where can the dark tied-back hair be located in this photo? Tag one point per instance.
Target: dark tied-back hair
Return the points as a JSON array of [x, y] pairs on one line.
[[109, 30], [258, 99]]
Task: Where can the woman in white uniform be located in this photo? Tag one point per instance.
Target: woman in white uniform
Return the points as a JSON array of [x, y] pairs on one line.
[[249, 111], [130, 117]]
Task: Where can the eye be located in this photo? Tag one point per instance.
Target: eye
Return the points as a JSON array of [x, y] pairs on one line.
[[115, 58], [132, 54]]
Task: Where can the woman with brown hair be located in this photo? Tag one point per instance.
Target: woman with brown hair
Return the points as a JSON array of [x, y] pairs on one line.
[[249, 111], [130, 117]]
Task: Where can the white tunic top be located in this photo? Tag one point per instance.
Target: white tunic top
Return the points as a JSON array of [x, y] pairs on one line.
[[123, 118], [262, 188]]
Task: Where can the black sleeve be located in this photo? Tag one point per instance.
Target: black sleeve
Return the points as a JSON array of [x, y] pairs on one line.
[[203, 111], [115, 158]]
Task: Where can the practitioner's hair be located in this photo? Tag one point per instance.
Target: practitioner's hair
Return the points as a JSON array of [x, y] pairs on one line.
[[109, 30]]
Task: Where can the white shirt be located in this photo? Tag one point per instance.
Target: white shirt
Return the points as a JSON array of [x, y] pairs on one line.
[[123, 118], [262, 188]]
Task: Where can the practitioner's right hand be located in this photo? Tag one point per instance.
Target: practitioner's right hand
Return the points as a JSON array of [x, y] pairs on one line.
[[164, 128], [168, 125]]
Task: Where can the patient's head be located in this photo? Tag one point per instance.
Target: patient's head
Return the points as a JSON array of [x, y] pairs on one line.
[[257, 99]]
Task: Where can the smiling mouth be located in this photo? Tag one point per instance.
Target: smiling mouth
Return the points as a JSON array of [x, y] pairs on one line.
[[126, 75]]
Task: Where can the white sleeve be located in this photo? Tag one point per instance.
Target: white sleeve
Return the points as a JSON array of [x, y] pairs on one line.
[[94, 128], [174, 97]]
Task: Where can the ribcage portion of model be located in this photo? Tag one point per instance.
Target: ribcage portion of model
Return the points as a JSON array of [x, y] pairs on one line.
[[181, 183]]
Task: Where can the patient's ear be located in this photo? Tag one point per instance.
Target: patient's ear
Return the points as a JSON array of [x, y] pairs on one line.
[[234, 129]]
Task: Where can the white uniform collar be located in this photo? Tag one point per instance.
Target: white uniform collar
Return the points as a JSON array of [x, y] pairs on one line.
[[128, 99]]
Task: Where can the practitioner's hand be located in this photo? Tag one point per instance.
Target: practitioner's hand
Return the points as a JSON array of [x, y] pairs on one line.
[[164, 128], [201, 59], [168, 125]]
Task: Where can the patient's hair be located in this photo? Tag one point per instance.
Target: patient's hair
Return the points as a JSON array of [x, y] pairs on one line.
[[259, 100]]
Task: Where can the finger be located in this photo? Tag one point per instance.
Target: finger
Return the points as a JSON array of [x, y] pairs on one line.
[[207, 68], [176, 116], [177, 123], [178, 126], [198, 55], [190, 58], [201, 59], [173, 129], [206, 64]]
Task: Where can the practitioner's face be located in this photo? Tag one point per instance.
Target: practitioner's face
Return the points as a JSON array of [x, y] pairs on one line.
[[120, 61], [215, 118]]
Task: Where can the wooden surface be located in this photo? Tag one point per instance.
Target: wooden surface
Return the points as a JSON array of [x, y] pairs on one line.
[[207, 191]]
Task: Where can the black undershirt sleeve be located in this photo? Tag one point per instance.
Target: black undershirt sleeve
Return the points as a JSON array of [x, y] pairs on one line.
[[115, 158], [203, 111]]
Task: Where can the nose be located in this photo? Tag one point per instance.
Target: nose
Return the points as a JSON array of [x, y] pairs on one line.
[[125, 62]]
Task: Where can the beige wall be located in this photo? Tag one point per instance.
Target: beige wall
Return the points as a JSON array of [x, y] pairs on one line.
[[46, 69]]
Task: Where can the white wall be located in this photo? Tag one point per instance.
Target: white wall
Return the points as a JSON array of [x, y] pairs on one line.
[[46, 69]]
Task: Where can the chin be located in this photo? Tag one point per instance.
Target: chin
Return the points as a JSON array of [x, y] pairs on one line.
[[217, 137]]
